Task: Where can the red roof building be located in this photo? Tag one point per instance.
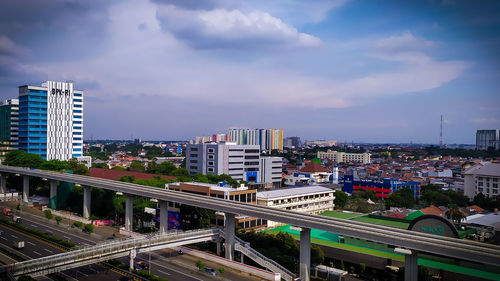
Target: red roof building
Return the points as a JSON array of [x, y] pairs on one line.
[[314, 167], [117, 174]]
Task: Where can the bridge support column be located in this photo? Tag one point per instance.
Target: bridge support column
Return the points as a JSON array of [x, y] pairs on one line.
[[411, 266], [3, 183], [229, 230], [86, 201], [219, 246], [163, 216], [131, 257], [129, 212], [53, 195], [26, 189], [305, 254]]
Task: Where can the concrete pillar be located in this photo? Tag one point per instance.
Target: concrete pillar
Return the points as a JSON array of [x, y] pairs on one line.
[[53, 195], [305, 254], [219, 246], [86, 201], [163, 216], [3, 183], [242, 257], [129, 211], [411, 266], [26, 189], [229, 230], [131, 257]]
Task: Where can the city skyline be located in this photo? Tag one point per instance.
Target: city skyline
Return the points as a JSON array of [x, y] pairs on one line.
[[343, 70]]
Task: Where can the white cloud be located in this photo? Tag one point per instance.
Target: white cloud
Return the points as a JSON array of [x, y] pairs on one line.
[[220, 28], [402, 42]]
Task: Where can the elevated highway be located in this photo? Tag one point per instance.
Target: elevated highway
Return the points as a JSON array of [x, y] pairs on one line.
[[414, 241], [106, 251]]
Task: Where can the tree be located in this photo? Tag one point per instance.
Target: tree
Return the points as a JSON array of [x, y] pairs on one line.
[[137, 166], [403, 198], [340, 199], [77, 167], [53, 165], [455, 214], [118, 168], [127, 178], [20, 158], [100, 165], [195, 217]]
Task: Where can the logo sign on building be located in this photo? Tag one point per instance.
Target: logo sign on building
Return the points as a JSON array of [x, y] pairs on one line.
[[433, 224]]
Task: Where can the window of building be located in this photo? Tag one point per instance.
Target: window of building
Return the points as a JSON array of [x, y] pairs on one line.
[[194, 149], [211, 150], [480, 183], [211, 156], [193, 161], [193, 167], [210, 163], [210, 169], [193, 155]]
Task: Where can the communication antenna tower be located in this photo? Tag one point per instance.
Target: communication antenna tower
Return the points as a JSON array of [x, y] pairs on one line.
[[441, 133]]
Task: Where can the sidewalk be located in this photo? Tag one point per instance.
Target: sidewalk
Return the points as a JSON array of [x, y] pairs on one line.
[[35, 212]]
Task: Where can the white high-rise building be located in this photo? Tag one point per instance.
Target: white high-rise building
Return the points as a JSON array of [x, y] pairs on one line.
[[51, 120]]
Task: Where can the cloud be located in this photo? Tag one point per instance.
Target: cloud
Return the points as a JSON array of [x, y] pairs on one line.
[[490, 120], [222, 28], [9, 48], [402, 42]]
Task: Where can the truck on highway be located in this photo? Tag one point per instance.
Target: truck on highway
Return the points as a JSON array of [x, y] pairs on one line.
[[7, 212], [18, 244]]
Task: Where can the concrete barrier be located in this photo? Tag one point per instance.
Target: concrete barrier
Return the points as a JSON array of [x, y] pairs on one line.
[[131, 233], [267, 275], [67, 215]]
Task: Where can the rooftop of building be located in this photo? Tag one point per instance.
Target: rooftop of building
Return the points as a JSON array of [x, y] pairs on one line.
[[484, 169], [293, 191], [217, 187], [314, 167], [117, 174]]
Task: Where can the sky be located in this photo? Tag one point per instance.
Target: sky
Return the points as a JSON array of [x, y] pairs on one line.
[[346, 70]]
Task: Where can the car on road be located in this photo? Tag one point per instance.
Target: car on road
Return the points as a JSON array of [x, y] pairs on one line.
[[17, 219], [210, 271], [140, 265], [18, 244]]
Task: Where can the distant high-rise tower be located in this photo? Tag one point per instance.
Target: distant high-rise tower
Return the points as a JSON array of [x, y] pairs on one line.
[[441, 133]]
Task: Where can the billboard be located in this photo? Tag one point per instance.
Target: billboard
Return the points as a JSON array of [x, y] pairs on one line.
[[174, 219], [348, 183], [433, 224]]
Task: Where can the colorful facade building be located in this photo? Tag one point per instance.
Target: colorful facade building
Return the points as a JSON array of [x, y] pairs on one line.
[[382, 187]]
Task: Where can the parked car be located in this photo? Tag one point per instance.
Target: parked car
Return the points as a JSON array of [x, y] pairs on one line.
[[210, 271]]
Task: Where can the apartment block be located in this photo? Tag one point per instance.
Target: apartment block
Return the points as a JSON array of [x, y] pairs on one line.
[[345, 157]]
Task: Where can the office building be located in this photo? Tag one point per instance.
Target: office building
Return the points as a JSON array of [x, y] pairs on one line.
[[382, 187], [313, 199], [271, 170], [51, 120], [345, 157], [267, 139], [241, 162], [488, 138], [292, 142], [9, 125], [482, 178]]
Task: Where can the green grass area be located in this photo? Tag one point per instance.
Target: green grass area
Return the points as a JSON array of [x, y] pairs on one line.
[[339, 215], [383, 222], [317, 237]]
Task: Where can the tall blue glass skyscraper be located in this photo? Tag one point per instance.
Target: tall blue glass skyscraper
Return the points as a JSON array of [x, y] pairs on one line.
[[51, 120]]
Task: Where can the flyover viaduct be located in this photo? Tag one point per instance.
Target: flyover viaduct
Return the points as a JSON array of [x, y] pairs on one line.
[[410, 240]]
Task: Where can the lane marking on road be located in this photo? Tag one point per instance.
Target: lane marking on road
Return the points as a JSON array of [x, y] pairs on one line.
[[32, 225], [3, 238], [162, 272], [190, 276], [32, 244], [48, 251], [78, 271], [37, 253], [17, 237], [37, 224]]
